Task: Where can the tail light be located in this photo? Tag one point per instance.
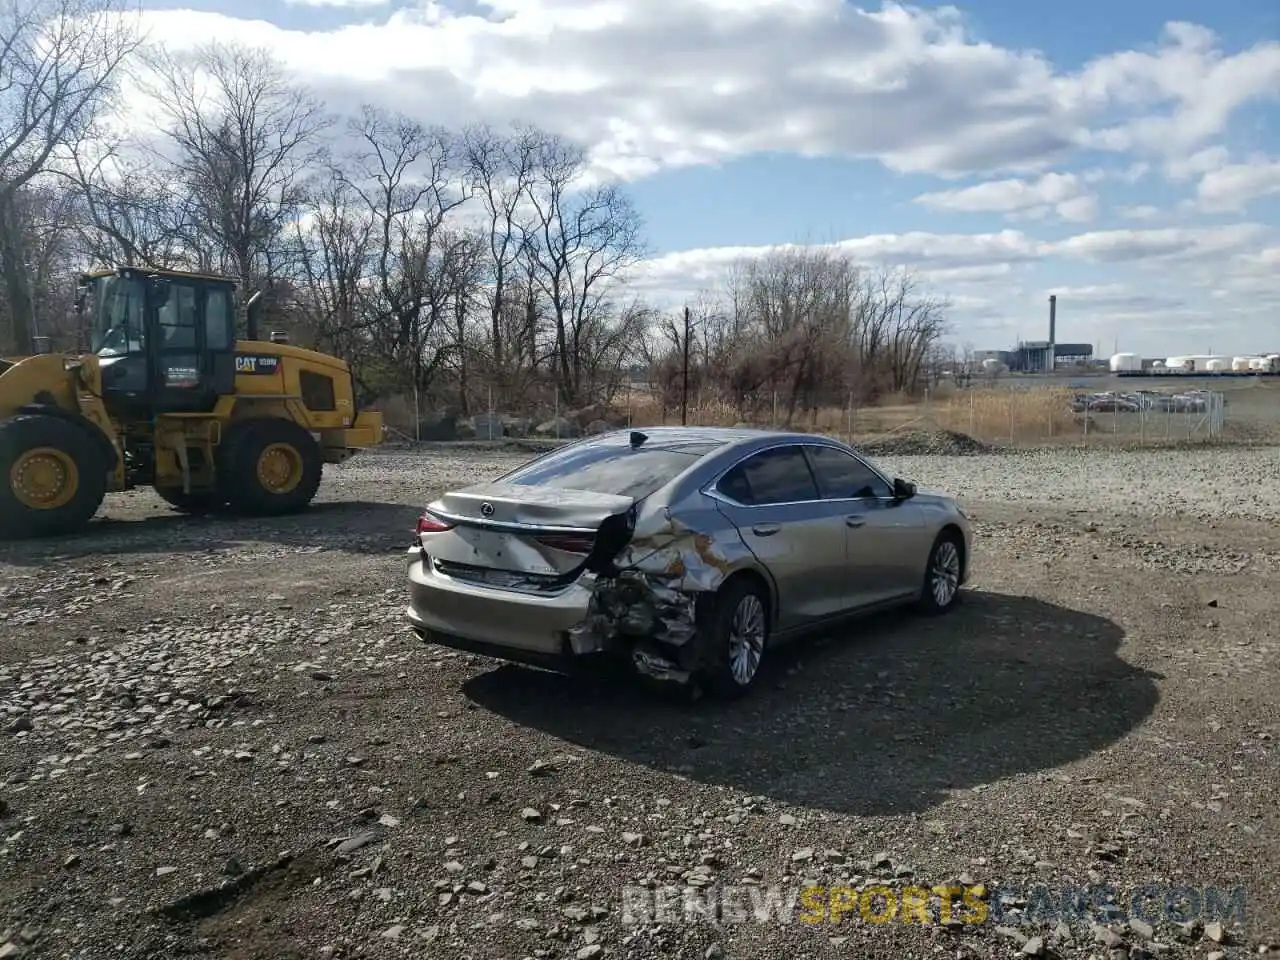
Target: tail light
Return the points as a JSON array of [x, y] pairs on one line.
[[431, 524], [581, 543]]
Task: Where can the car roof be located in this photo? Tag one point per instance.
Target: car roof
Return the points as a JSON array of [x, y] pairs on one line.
[[721, 437]]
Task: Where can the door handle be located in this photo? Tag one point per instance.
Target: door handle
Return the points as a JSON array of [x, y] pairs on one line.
[[855, 521], [766, 529]]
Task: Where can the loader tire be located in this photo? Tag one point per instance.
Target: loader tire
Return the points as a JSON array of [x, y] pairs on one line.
[[52, 477], [269, 467], [196, 502]]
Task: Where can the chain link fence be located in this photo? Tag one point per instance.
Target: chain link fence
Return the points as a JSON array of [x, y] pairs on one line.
[[1018, 415], [1023, 415]]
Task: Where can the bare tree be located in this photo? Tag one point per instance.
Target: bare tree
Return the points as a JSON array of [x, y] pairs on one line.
[[501, 169], [583, 239], [240, 137], [130, 215], [58, 63], [40, 244], [59, 60], [405, 174], [336, 243]]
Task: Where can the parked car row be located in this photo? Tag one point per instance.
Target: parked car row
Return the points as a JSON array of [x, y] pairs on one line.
[[688, 554], [1195, 401]]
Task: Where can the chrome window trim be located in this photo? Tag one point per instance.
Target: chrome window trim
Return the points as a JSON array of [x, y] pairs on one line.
[[709, 489]]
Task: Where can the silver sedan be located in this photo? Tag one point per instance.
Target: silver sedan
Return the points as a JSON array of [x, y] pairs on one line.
[[688, 553]]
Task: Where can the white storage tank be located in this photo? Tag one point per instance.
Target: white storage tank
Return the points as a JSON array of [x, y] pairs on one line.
[[1240, 364], [991, 365], [1157, 364], [1177, 364], [1215, 365], [1259, 363], [1126, 363]]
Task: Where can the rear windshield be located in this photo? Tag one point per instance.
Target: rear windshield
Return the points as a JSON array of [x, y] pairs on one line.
[[611, 468]]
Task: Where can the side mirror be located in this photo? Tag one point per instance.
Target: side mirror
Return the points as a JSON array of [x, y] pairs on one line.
[[903, 489]]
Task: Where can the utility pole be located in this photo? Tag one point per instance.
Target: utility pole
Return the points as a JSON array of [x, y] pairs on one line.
[[684, 389]]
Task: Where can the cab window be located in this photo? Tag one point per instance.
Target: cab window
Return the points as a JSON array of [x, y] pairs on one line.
[[177, 318], [219, 319]]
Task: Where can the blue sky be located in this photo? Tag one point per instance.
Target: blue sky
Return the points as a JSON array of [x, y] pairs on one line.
[[1125, 156]]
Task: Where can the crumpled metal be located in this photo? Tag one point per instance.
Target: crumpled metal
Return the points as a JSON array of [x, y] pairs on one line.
[[654, 594]]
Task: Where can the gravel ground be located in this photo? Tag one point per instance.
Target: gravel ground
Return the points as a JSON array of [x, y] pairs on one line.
[[219, 740]]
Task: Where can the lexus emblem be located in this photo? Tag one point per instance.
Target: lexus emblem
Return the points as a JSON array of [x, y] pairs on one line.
[[486, 509]]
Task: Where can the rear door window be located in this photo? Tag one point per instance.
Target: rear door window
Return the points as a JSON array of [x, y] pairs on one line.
[[778, 475], [844, 477], [614, 468]]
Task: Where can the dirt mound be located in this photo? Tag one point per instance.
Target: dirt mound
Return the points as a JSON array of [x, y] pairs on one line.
[[919, 443]]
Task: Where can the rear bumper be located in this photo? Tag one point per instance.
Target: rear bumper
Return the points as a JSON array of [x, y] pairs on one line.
[[498, 623]]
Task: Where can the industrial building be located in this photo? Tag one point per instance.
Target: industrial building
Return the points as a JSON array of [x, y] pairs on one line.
[[1039, 356]]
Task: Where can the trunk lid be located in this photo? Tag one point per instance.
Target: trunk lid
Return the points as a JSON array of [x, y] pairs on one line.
[[532, 506], [522, 537]]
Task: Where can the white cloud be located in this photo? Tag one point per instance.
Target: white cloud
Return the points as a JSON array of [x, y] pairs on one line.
[[1197, 164], [1181, 94], [664, 83], [1170, 245], [1116, 297], [1233, 186], [1142, 211], [1191, 277], [337, 3], [661, 83], [1060, 193]]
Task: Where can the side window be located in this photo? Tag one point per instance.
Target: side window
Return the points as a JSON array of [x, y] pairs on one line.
[[219, 322], [842, 477], [317, 391], [780, 475], [178, 318]]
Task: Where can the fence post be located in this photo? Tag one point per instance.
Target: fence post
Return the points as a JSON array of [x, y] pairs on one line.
[[1012, 405], [973, 412], [1142, 421]]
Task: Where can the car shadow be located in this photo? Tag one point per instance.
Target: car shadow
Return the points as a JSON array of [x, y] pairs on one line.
[[884, 718], [346, 526]]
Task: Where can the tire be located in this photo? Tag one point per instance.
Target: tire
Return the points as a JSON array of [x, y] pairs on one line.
[[195, 502], [245, 477], [736, 639], [940, 591], [52, 477]]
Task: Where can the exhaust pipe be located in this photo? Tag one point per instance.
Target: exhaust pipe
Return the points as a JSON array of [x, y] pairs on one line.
[[251, 315]]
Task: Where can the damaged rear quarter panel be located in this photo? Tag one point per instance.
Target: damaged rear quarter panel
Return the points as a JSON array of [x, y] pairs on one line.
[[649, 601]]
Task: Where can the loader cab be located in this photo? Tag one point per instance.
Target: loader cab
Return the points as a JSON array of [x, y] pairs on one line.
[[166, 341]]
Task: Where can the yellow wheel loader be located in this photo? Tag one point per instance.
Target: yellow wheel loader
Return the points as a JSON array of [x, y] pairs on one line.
[[169, 398]]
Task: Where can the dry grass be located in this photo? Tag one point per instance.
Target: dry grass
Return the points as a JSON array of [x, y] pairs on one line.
[[1011, 416]]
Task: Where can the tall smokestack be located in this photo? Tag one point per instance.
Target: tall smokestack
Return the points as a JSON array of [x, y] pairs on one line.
[[1053, 332]]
